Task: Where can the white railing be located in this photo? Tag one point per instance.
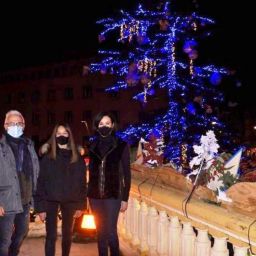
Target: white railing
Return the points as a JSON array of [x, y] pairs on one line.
[[156, 228], [153, 232]]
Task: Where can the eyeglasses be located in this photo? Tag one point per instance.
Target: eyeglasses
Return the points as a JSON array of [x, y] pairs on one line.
[[14, 124]]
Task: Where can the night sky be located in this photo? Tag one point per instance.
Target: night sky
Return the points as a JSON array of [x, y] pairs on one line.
[[39, 33]]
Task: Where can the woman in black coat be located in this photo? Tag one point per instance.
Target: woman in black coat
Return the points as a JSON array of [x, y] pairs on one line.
[[61, 185], [109, 181]]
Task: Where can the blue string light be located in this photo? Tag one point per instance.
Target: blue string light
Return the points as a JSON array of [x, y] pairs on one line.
[[153, 59]]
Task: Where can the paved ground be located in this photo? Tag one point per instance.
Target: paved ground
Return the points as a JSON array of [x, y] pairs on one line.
[[34, 243], [35, 247]]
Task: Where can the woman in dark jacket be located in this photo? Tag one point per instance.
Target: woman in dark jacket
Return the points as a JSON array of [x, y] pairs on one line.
[[61, 185], [109, 181]]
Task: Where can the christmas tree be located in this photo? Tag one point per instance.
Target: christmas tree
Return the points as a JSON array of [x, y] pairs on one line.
[[159, 52]]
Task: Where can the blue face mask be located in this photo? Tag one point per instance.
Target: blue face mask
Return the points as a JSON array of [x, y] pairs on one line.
[[15, 131]]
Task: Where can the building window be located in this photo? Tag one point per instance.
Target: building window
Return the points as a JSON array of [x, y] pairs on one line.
[[8, 98], [68, 117], [51, 117], [87, 91], [68, 93], [21, 97], [35, 96], [36, 119], [51, 95], [87, 115]]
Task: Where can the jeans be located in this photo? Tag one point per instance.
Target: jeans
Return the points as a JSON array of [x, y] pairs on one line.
[[13, 230], [67, 214], [106, 213]]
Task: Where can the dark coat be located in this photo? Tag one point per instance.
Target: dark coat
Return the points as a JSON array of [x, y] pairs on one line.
[[61, 181], [109, 175]]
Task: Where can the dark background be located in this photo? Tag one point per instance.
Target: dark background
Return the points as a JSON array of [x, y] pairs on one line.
[[42, 32]]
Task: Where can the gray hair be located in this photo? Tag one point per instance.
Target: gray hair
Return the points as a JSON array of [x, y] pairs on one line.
[[13, 112]]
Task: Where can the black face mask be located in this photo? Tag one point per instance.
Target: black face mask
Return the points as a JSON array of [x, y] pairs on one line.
[[62, 140], [104, 131]]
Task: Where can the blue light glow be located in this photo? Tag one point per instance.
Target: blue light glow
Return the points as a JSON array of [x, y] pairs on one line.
[[152, 60]]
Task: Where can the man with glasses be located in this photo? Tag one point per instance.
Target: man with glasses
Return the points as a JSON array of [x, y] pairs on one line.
[[19, 169]]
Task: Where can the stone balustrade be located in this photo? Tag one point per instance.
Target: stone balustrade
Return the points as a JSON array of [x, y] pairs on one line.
[[155, 224]]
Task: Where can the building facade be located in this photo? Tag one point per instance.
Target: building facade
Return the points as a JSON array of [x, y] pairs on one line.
[[67, 92]]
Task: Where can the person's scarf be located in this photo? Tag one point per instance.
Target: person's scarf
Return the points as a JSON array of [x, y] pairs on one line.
[[21, 154]]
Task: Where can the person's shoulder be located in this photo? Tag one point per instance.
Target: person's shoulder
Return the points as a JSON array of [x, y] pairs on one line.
[[119, 139], [46, 157], [28, 141], [121, 142]]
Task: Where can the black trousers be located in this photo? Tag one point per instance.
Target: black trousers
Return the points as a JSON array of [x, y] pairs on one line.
[[67, 214], [106, 213]]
